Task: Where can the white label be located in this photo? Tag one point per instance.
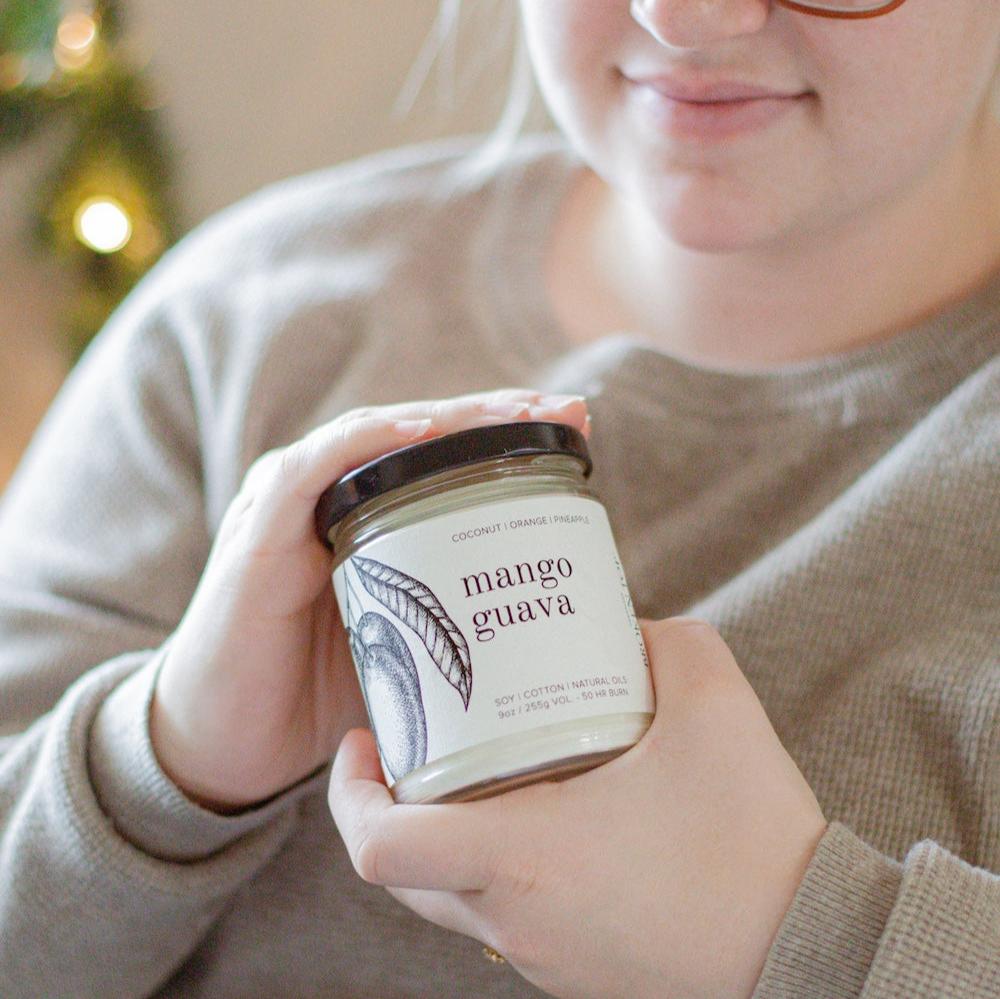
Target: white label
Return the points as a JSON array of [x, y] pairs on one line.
[[485, 622]]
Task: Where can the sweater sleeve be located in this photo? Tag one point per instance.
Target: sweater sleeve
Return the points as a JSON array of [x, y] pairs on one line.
[[109, 875], [865, 925]]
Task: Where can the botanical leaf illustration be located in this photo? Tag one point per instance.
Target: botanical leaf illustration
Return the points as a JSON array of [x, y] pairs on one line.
[[415, 605]]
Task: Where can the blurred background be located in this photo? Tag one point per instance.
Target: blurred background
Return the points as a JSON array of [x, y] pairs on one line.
[[125, 123]]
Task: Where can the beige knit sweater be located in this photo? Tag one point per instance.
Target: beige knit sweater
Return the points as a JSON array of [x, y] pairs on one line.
[[838, 521]]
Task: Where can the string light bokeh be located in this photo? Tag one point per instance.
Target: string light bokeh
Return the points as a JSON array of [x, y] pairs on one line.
[[106, 208]]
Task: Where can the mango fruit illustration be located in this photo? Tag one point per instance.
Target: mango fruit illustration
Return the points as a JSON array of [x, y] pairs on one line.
[[391, 687]]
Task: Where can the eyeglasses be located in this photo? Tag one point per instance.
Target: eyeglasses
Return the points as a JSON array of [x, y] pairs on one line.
[[843, 8]]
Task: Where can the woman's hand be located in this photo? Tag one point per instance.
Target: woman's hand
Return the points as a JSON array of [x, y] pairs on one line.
[[258, 686], [664, 872]]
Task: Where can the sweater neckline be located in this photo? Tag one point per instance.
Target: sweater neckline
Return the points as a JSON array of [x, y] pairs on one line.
[[902, 372]]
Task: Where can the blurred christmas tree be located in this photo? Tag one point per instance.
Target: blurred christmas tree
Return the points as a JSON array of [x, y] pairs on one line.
[[106, 208]]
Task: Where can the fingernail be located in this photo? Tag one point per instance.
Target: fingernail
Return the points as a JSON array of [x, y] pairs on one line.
[[412, 428], [560, 401], [508, 410]]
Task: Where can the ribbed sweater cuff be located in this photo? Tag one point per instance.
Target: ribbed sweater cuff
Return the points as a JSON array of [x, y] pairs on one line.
[[145, 806], [864, 925], [827, 941]]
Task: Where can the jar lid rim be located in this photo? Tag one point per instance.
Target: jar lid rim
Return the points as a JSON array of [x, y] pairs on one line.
[[425, 458]]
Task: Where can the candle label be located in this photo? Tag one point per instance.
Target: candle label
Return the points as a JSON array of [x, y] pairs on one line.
[[484, 622]]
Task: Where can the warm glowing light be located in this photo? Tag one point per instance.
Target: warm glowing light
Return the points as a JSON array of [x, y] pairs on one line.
[[102, 224], [76, 32], [13, 71], [75, 38]]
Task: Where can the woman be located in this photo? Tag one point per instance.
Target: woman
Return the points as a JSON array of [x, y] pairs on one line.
[[765, 247]]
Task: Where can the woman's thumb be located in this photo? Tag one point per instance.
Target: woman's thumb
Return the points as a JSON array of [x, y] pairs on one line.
[[687, 657]]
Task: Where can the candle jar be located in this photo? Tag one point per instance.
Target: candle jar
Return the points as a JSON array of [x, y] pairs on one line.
[[487, 611]]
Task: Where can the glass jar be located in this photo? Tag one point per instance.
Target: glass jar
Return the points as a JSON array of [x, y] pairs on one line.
[[487, 611]]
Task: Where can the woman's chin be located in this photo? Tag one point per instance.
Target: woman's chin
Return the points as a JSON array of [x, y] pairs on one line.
[[708, 227], [709, 216]]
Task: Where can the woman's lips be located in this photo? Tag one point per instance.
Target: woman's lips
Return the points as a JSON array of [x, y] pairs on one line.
[[719, 111]]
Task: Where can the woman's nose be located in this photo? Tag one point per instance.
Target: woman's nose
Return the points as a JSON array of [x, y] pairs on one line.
[[693, 23]]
